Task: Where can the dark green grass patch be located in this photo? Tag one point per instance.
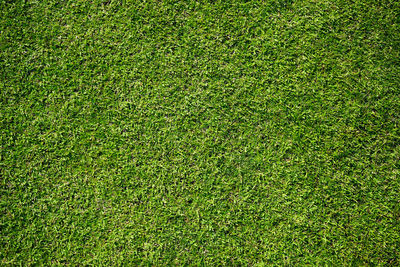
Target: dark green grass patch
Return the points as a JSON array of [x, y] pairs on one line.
[[190, 133]]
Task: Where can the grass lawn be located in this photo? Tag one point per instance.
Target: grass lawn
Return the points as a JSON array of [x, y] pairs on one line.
[[200, 132]]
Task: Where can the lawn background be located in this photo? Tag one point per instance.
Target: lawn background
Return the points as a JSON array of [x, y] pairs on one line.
[[200, 132]]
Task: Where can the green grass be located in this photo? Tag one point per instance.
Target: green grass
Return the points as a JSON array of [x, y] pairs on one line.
[[200, 133]]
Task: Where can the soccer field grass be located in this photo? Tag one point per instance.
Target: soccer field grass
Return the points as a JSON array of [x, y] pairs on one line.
[[200, 132]]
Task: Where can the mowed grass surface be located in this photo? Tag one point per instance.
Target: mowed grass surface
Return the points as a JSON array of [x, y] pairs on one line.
[[189, 133]]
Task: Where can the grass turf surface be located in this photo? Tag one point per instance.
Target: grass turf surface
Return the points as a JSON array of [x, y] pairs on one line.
[[184, 132]]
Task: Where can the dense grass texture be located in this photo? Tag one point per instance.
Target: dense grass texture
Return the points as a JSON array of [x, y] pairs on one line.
[[200, 132]]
